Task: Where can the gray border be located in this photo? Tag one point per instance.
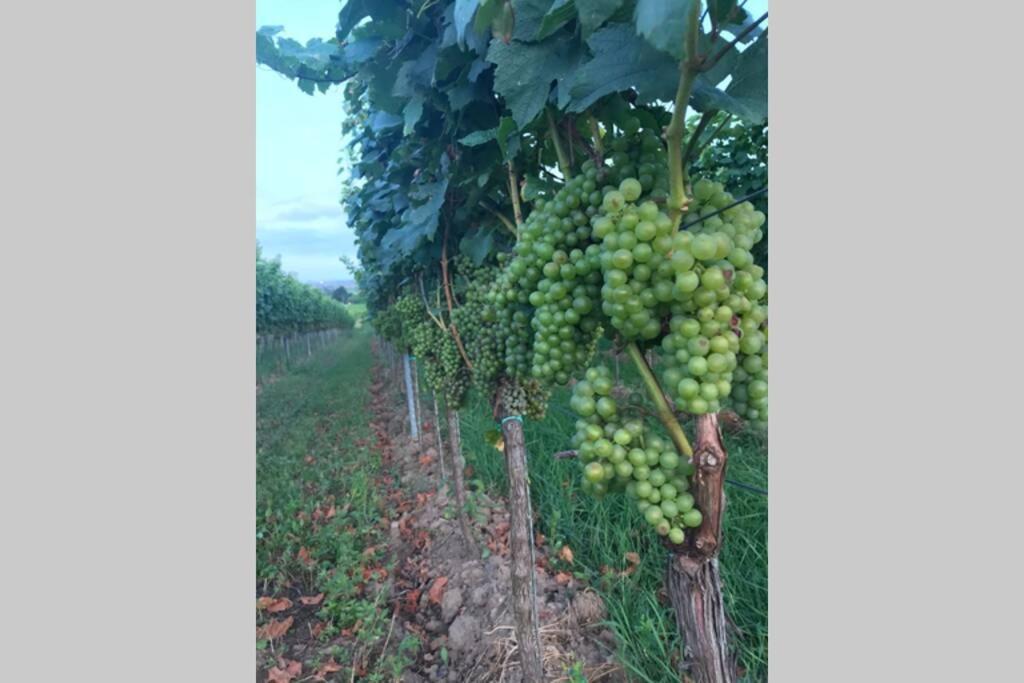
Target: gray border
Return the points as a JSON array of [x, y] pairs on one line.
[[894, 469], [127, 496]]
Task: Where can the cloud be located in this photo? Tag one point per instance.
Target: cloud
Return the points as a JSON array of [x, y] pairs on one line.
[[305, 214], [311, 253]]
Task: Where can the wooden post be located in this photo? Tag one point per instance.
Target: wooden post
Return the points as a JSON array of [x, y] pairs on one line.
[[440, 444], [458, 465], [524, 588]]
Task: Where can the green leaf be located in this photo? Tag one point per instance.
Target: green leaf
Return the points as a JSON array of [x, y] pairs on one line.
[[361, 50], [419, 223], [478, 245], [560, 13], [489, 9], [507, 140], [537, 187], [382, 120], [524, 73], [413, 112], [749, 84], [478, 137], [464, 11], [351, 14], [529, 15], [663, 23], [622, 60], [593, 13]]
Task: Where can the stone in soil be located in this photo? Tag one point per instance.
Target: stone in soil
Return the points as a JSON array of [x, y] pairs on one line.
[[451, 603], [464, 633]]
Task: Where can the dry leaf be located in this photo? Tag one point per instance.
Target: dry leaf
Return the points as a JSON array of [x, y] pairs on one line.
[[312, 599], [286, 674], [327, 667], [331, 511], [437, 590], [279, 605], [317, 629], [275, 629], [264, 602], [566, 554], [563, 579], [310, 460], [634, 561], [304, 556]]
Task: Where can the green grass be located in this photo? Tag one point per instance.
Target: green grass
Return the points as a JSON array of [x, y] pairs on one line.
[[315, 452], [600, 533]]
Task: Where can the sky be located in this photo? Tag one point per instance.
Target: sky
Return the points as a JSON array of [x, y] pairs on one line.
[[298, 136]]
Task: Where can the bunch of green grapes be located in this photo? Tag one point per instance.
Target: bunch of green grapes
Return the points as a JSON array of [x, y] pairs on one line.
[[388, 324], [527, 397], [749, 396], [435, 351], [638, 260], [480, 338], [620, 454], [719, 318]]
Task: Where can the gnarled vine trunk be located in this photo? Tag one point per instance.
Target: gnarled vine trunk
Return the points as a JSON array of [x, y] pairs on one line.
[[693, 581], [524, 588]]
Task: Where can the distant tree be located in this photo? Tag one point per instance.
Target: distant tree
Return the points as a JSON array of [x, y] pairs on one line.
[[341, 294]]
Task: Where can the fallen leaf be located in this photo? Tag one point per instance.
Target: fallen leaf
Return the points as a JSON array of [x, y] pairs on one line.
[[285, 675], [310, 460], [279, 605], [275, 629], [317, 629], [264, 602], [327, 667], [566, 554], [312, 599], [304, 556], [563, 579], [331, 511], [437, 590]]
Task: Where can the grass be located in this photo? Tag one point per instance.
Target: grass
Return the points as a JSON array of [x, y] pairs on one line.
[[358, 313], [601, 533], [320, 518]]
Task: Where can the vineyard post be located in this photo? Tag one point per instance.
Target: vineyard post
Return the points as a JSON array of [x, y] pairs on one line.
[[309, 349], [419, 410], [458, 467], [524, 588], [410, 399], [440, 443]]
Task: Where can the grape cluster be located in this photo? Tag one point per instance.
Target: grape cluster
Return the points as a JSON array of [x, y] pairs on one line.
[[480, 337], [719, 318], [619, 453], [528, 397], [435, 351]]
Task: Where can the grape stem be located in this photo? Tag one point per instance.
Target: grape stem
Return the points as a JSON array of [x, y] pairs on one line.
[[665, 414], [689, 69], [513, 191], [556, 140], [448, 297], [505, 222]]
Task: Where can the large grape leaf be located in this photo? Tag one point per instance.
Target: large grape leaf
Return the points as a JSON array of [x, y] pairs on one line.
[[663, 23], [478, 245], [418, 223], [622, 60], [560, 13], [464, 11], [593, 13], [746, 95], [413, 112], [529, 15], [524, 72], [478, 137]]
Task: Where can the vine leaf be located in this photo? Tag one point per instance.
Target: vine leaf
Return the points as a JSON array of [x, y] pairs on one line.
[[524, 73], [560, 13], [593, 13], [663, 23], [622, 60], [478, 245], [464, 11]]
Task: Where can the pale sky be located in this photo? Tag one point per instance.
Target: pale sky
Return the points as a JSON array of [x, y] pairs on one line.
[[298, 137], [297, 140]]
